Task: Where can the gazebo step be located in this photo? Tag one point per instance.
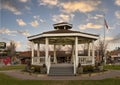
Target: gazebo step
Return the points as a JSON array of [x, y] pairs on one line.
[[61, 71]]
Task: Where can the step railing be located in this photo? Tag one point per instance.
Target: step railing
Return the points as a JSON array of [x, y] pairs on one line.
[[48, 64], [74, 62]]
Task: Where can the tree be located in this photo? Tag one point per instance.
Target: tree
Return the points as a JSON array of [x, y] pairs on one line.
[[29, 48], [101, 48], [11, 49]]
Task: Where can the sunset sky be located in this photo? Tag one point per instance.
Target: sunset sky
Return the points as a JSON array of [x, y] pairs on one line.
[[22, 18]]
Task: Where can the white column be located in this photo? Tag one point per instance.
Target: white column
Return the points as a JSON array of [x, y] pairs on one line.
[[32, 53], [72, 57], [76, 50], [93, 53], [38, 50], [89, 49], [38, 53], [46, 50], [55, 59]]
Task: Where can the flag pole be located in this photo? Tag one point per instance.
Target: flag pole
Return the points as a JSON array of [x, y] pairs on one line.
[[104, 40]]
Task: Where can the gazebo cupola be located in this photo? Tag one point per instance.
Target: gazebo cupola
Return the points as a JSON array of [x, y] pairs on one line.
[[63, 25]]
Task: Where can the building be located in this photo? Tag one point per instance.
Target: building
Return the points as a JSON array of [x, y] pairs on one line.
[[115, 56], [63, 35]]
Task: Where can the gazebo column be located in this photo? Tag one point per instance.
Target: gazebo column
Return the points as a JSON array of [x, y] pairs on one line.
[[38, 52], [76, 51], [73, 49], [32, 53], [93, 53], [55, 59], [46, 50], [89, 49]]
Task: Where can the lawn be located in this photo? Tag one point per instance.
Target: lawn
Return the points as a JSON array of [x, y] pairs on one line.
[[12, 67], [112, 67], [7, 80]]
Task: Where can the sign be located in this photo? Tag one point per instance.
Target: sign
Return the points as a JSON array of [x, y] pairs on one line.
[[2, 45]]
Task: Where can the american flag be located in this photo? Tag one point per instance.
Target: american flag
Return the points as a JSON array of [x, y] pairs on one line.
[[105, 23]]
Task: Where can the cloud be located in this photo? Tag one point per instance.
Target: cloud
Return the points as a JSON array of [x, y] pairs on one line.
[[48, 2], [27, 8], [8, 5], [24, 32], [7, 31], [62, 17], [109, 38], [23, 1], [14, 32], [117, 2], [34, 23], [37, 17], [116, 38], [96, 17], [18, 44], [81, 6], [21, 22], [90, 25], [117, 14]]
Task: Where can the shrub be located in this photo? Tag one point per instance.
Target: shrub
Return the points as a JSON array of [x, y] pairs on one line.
[[80, 70], [88, 68], [40, 69], [43, 69], [36, 68]]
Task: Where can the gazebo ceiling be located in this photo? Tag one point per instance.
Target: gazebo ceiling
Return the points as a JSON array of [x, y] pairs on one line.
[[63, 40]]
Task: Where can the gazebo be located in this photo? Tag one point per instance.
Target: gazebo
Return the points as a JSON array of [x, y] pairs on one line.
[[63, 35]]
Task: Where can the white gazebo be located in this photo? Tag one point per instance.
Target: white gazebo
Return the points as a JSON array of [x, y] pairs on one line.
[[63, 35]]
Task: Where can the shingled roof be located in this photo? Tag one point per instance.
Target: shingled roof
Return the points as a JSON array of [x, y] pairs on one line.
[[65, 31]]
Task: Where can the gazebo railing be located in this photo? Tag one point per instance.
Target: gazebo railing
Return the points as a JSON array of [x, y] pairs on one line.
[[38, 60], [86, 60]]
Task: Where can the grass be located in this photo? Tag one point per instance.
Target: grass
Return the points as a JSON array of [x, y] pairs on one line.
[[112, 67], [7, 80], [12, 67]]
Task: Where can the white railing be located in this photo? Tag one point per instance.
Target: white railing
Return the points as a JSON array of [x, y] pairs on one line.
[[86, 60], [48, 64], [38, 60]]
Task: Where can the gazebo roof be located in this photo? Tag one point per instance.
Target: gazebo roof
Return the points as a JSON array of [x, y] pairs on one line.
[[63, 33], [66, 31]]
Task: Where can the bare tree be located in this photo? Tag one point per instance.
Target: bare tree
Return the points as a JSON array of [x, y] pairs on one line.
[[101, 48], [11, 49], [29, 47]]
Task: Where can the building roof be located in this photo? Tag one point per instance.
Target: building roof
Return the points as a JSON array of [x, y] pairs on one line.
[[116, 52]]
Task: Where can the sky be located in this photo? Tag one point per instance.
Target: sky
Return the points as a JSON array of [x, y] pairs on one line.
[[22, 18]]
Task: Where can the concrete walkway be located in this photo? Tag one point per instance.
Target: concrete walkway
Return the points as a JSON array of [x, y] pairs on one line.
[[95, 76]]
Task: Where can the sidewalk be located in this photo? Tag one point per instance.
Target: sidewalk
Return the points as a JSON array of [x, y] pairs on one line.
[[96, 76]]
